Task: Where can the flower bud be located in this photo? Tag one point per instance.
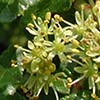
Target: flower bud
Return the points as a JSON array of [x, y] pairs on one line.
[[58, 17], [33, 17], [75, 42], [69, 80], [48, 16], [75, 51], [30, 25]]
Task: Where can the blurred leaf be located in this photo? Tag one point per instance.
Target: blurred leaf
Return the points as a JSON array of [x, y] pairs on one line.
[[78, 3], [7, 1], [40, 7], [28, 2], [10, 76], [10, 90], [6, 56], [86, 94], [24, 2], [82, 95], [1, 70], [17, 96], [8, 12]]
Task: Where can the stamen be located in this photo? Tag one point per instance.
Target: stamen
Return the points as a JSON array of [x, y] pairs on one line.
[[19, 47], [37, 26]]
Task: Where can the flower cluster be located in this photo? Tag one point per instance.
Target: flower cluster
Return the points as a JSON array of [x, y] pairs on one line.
[[79, 43]]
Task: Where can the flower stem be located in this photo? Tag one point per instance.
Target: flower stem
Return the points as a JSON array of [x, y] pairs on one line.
[[94, 89], [56, 94], [36, 25], [39, 91], [77, 61], [68, 23], [77, 80]]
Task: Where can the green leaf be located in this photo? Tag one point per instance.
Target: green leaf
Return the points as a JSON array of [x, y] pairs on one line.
[[10, 76], [9, 12], [61, 86], [86, 94], [72, 96], [7, 1], [6, 15], [11, 1]]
